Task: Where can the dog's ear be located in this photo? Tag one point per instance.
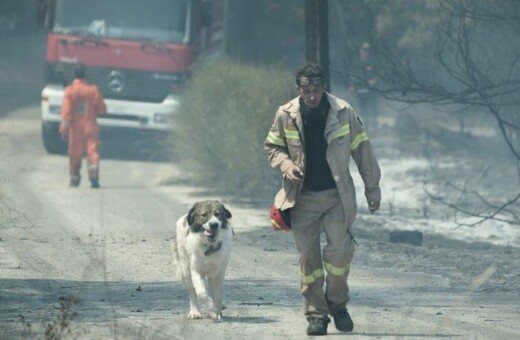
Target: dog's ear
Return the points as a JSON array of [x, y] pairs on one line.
[[191, 216], [227, 213]]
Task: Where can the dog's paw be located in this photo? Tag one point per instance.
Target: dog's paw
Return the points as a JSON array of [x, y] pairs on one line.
[[215, 316], [194, 315]]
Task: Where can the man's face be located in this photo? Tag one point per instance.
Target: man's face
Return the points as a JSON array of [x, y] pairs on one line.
[[311, 94]]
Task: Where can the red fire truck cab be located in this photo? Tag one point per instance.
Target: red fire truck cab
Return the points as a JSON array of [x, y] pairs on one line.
[[139, 54]]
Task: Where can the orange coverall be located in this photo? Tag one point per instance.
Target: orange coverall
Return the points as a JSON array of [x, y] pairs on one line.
[[82, 103]]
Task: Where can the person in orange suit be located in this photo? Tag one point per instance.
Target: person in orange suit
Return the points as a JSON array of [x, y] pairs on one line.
[[82, 104]]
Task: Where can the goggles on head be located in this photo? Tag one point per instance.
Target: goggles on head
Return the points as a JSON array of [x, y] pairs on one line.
[[305, 81]]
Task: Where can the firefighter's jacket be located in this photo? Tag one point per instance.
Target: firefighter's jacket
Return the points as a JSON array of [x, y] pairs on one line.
[[82, 103], [345, 136]]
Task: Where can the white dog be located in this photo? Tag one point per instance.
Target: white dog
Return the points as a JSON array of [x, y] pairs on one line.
[[203, 249]]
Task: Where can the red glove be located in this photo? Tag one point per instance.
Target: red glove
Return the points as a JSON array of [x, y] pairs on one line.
[[280, 220]]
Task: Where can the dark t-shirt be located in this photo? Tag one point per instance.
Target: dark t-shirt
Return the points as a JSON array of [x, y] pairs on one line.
[[317, 173]]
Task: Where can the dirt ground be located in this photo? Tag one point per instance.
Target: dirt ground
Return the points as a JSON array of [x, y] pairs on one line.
[[90, 264], [112, 250]]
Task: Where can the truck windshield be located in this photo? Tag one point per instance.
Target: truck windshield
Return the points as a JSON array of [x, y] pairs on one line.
[[153, 20]]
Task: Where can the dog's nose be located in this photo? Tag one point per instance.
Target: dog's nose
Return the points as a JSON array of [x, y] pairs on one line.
[[213, 225]]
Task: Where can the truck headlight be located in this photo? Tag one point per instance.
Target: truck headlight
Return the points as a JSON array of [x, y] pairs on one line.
[[163, 118]]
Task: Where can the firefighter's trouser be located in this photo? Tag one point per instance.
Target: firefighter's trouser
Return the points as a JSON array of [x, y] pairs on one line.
[[313, 212], [78, 142]]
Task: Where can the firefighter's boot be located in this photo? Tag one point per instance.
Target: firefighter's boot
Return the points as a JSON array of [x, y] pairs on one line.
[[74, 180], [94, 183], [93, 174], [317, 326], [342, 320]]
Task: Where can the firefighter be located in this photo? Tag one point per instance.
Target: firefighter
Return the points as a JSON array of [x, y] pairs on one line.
[[311, 141], [82, 103]]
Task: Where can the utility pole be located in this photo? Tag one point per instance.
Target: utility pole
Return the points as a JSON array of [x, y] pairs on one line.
[[317, 34], [311, 30]]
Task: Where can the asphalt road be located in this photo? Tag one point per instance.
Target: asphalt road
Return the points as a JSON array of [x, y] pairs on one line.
[[111, 249]]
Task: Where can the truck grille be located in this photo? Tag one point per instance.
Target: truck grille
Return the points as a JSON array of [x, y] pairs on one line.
[[121, 84]]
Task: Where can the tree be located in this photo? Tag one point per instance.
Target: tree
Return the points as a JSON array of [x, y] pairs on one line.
[[478, 53]]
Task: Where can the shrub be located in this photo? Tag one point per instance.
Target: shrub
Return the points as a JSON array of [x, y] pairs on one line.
[[221, 124]]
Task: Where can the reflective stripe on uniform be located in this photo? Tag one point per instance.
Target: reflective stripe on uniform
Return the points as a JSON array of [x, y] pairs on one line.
[[362, 137], [308, 279], [343, 131], [291, 134], [336, 270], [274, 139]]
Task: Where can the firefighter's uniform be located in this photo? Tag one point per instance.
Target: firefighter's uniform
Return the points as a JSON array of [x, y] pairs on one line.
[[82, 103], [333, 210]]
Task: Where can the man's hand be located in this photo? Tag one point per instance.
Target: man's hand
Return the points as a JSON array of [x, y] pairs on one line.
[[64, 131], [373, 206], [294, 174]]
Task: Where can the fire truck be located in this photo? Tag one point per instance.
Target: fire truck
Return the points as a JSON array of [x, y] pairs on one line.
[[139, 53]]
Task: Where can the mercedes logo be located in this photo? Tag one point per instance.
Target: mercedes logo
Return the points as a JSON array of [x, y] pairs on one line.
[[116, 81]]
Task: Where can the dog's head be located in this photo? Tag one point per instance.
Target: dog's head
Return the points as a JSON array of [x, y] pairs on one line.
[[208, 217]]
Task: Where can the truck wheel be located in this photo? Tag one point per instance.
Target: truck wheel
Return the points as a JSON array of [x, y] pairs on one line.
[[51, 138]]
